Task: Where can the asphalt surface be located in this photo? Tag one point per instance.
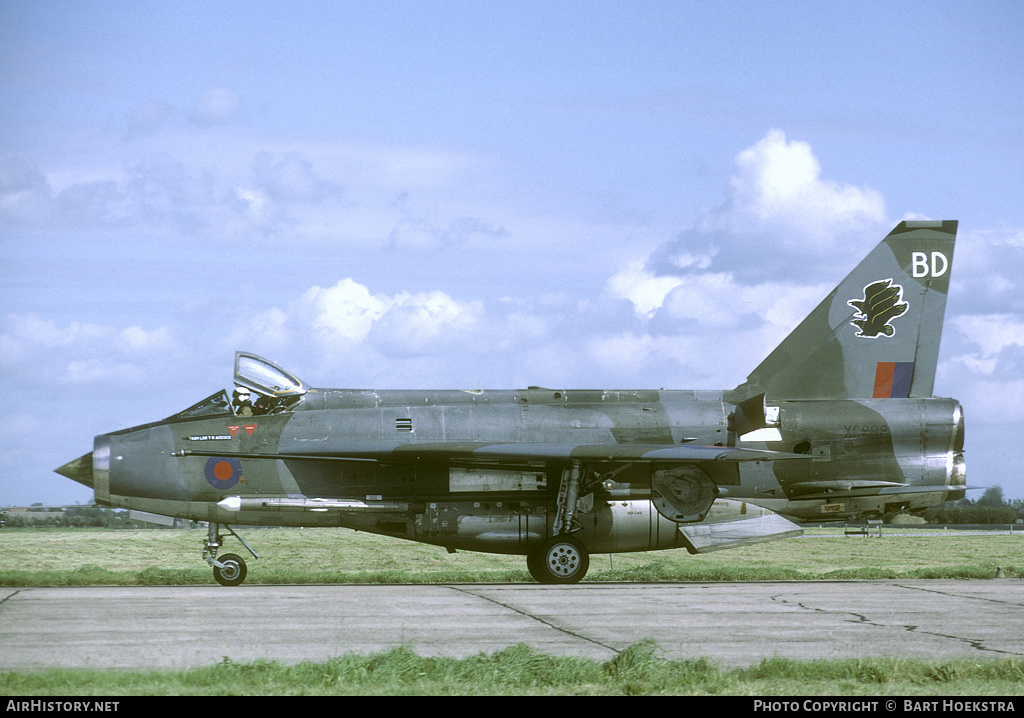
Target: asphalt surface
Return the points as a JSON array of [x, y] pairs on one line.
[[732, 623]]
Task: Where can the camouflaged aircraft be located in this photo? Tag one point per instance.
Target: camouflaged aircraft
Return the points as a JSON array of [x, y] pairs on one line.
[[839, 422]]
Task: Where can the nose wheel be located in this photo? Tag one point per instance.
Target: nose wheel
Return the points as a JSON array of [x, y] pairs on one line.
[[229, 569]]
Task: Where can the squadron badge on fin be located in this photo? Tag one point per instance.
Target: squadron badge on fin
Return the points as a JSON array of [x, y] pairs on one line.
[[880, 305]]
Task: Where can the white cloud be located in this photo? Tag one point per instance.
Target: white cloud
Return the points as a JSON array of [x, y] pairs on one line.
[[137, 340], [778, 183], [230, 185], [349, 320], [679, 315], [418, 324], [44, 353], [717, 298], [271, 326], [646, 291], [996, 336], [346, 311], [992, 333], [778, 219]]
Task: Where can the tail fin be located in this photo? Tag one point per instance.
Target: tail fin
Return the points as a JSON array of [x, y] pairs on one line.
[[877, 334]]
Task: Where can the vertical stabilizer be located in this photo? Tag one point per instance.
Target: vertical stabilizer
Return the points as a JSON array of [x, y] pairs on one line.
[[877, 334]]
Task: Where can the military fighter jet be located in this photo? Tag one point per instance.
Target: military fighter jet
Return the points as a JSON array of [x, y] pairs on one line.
[[839, 422]]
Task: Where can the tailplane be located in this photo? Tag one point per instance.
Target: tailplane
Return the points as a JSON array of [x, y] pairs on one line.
[[877, 334]]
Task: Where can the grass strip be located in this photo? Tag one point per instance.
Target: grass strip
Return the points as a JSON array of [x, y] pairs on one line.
[[521, 670], [86, 557]]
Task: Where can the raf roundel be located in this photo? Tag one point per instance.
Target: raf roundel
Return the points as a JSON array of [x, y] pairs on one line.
[[223, 472]]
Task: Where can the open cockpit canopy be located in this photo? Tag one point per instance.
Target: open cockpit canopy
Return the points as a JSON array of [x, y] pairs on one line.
[[276, 390], [266, 378]]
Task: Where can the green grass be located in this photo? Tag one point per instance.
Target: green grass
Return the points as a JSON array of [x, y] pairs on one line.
[[150, 557], [520, 670]]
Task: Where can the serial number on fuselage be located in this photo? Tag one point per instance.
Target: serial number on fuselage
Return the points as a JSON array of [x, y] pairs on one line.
[[852, 429]]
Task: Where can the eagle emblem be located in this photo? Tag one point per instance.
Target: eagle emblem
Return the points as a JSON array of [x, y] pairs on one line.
[[882, 302]]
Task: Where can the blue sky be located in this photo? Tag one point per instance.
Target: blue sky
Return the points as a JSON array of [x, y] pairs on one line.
[[484, 194]]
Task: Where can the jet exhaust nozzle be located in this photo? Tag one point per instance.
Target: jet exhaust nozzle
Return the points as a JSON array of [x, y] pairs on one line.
[[79, 470]]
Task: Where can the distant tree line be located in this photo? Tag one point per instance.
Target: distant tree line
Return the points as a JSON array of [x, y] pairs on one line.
[[39, 516], [991, 508]]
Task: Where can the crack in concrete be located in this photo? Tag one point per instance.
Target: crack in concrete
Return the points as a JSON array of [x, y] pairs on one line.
[[8, 597], [538, 619], [977, 645], [959, 595]]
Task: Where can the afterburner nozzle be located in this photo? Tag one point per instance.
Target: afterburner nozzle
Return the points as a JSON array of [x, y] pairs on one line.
[[79, 470]]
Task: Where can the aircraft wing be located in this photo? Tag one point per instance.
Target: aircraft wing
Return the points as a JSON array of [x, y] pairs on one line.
[[389, 452]]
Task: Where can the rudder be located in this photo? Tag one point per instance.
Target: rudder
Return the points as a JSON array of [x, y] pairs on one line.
[[877, 333]]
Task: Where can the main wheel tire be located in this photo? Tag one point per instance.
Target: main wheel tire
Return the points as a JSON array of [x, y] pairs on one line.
[[233, 571], [560, 559]]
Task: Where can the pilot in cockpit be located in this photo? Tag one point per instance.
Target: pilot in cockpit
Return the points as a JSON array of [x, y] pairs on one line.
[[241, 402]]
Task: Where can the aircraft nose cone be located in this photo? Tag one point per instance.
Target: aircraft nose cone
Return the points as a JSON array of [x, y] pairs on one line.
[[79, 470]]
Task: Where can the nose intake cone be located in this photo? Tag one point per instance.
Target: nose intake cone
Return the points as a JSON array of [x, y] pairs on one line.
[[79, 470]]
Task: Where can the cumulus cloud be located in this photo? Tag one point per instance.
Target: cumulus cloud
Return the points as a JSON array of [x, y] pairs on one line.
[[987, 367], [777, 186], [752, 267], [688, 295], [983, 274], [345, 311], [995, 337], [642, 287], [213, 186], [159, 193], [47, 353], [349, 319], [777, 211], [424, 323]]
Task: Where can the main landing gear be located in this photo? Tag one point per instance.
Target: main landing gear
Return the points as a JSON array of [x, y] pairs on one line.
[[560, 559], [229, 569], [563, 558]]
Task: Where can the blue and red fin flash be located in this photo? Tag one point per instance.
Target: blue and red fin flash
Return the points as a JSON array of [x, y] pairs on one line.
[[892, 379]]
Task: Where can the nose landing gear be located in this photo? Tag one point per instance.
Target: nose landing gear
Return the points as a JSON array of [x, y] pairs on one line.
[[229, 569]]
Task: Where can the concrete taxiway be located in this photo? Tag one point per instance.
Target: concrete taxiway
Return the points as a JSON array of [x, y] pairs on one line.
[[730, 623]]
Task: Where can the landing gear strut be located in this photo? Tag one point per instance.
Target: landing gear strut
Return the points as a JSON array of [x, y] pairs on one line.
[[563, 558], [229, 569]]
